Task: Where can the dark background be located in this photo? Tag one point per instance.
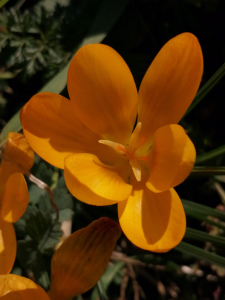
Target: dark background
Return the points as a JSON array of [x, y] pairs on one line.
[[37, 38]]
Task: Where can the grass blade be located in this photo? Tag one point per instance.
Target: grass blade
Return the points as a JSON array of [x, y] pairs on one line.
[[204, 237], [208, 171], [199, 209], [211, 154], [3, 2], [107, 278], [101, 292], [201, 254], [207, 88]]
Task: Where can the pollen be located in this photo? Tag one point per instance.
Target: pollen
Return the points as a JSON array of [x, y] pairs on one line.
[[130, 149]]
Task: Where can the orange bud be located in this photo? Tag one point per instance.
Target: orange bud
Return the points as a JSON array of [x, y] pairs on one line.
[[80, 261]]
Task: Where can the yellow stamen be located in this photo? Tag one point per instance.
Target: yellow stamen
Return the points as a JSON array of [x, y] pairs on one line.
[[130, 149], [136, 168], [116, 146], [134, 137]]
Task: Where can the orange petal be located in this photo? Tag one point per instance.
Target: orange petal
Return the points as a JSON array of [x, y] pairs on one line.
[[15, 198], [14, 287], [170, 83], [7, 247], [103, 92], [80, 261], [95, 183], [154, 222], [173, 157], [55, 131], [17, 150]]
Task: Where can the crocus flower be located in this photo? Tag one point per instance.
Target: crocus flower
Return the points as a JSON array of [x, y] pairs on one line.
[[76, 265], [105, 157], [14, 196]]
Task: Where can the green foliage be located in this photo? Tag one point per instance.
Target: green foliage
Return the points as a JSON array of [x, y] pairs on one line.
[[63, 201], [42, 229], [106, 279], [42, 234], [31, 42], [3, 2], [207, 88]]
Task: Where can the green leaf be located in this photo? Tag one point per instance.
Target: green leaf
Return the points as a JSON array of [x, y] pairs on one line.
[[110, 273], [64, 214], [201, 254], [44, 172], [36, 193], [3, 2], [108, 13], [211, 154], [199, 209], [208, 171], [31, 259], [7, 75], [107, 278], [62, 199], [16, 271], [205, 237], [207, 88], [43, 230], [79, 297], [13, 125], [198, 216], [101, 292]]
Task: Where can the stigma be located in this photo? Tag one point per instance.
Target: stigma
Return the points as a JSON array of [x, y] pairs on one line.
[[130, 149]]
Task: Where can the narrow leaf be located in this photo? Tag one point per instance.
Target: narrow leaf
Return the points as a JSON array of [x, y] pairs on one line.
[[13, 125], [208, 171], [201, 254], [200, 209], [7, 75], [211, 154], [204, 237], [107, 278], [207, 88], [101, 292], [3, 2], [203, 218]]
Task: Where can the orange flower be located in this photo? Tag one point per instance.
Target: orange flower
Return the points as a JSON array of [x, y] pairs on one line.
[[76, 265], [14, 196], [105, 161]]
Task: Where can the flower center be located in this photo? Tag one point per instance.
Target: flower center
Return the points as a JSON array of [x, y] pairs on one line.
[[130, 150]]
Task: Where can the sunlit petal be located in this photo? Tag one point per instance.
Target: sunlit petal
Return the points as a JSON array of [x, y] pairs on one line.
[[173, 157], [103, 92], [7, 247], [170, 84], [15, 198], [54, 130], [154, 222], [95, 183], [14, 287], [80, 261]]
